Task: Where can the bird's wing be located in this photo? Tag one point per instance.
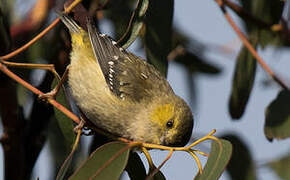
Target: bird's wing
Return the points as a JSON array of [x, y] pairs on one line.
[[127, 75]]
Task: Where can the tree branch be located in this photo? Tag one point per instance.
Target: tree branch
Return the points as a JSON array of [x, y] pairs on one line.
[[249, 46], [38, 92]]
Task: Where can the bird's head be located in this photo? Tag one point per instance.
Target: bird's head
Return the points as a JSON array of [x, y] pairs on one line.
[[168, 123]]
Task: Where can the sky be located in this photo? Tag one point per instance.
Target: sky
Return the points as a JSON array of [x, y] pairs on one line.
[[203, 20]]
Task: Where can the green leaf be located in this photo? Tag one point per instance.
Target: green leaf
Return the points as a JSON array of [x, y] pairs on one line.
[[106, 163], [136, 170], [281, 167], [119, 14], [65, 166], [158, 176], [194, 63], [268, 37], [217, 161], [268, 13], [65, 123], [158, 36], [244, 76], [136, 24], [278, 117], [135, 167], [241, 166]]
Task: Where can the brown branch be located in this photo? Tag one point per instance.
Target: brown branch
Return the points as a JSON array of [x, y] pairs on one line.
[[41, 34], [178, 51], [160, 166], [38, 92], [21, 143], [27, 85], [249, 46], [25, 46]]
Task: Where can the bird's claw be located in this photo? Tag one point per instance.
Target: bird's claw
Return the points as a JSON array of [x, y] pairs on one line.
[[79, 126]]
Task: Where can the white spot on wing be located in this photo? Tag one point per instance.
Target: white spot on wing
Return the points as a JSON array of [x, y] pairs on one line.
[[111, 63], [144, 76], [122, 96]]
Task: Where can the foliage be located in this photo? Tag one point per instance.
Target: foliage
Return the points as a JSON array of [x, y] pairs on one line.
[[162, 41]]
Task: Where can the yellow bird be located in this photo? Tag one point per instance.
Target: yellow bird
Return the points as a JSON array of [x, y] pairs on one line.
[[121, 93]]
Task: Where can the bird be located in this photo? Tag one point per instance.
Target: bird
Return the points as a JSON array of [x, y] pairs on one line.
[[121, 93]]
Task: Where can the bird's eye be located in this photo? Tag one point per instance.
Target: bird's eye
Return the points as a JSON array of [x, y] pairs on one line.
[[169, 124]]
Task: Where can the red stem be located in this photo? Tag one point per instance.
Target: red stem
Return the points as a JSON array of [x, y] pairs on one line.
[[38, 92]]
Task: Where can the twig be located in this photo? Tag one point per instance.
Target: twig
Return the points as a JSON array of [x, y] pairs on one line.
[[25, 46], [178, 51], [196, 159], [41, 34], [160, 166], [38, 92], [249, 46]]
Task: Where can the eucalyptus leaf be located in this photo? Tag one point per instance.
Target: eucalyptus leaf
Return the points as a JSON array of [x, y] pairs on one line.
[[281, 167], [158, 176], [119, 14], [65, 166], [267, 13], [136, 24], [158, 36], [217, 161], [106, 163], [241, 165], [243, 80], [65, 123], [278, 117], [135, 167]]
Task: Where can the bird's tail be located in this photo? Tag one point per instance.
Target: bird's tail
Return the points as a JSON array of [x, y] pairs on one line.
[[69, 23]]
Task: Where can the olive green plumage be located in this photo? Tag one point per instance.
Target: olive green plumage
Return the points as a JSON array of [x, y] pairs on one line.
[[121, 93]]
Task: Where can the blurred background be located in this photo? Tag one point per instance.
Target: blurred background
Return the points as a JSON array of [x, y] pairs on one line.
[[205, 83]]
